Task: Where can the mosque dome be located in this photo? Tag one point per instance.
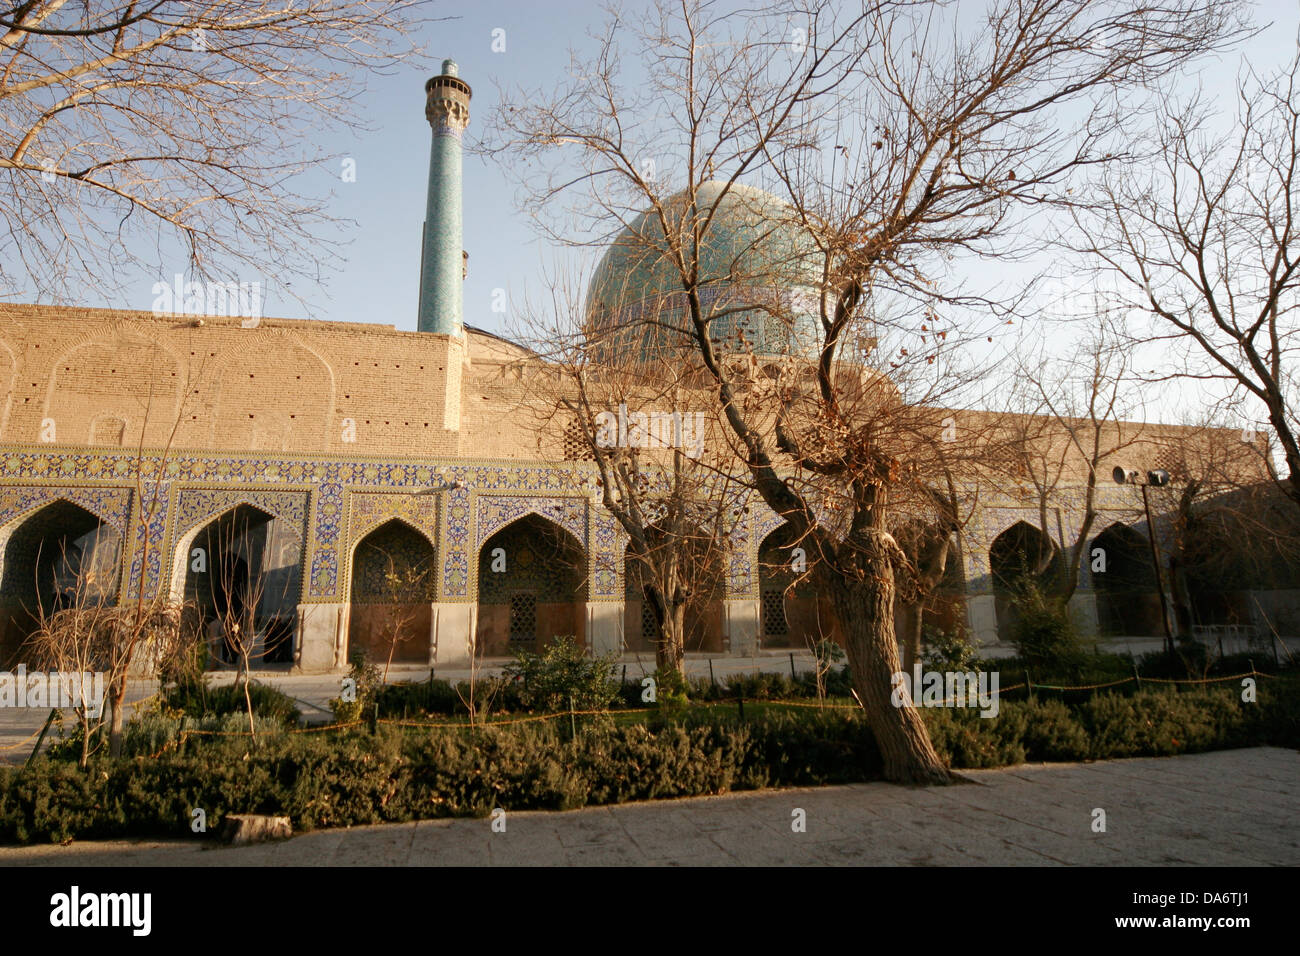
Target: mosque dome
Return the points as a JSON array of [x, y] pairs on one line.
[[754, 252]]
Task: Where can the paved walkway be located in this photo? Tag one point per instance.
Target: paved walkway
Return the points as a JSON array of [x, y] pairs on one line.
[[1231, 808]]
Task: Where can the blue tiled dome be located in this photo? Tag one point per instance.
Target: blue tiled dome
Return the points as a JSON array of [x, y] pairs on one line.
[[752, 253]]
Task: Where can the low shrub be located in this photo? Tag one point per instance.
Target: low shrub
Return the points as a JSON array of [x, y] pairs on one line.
[[418, 697], [671, 689], [563, 676], [1152, 723], [1045, 636], [765, 686], [353, 777], [268, 702], [1050, 731], [949, 650], [965, 740], [360, 689]]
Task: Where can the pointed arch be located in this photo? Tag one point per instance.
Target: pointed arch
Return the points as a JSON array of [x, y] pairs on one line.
[[532, 586], [57, 555], [1021, 552], [791, 612], [497, 511], [392, 579], [1128, 602], [196, 508], [244, 565]]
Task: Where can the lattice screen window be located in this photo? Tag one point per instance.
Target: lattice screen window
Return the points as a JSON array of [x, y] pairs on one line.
[[774, 622], [1166, 460], [575, 444], [523, 617], [649, 629]]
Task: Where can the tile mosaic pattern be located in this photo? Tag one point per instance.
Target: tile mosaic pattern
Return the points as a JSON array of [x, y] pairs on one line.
[[150, 524], [368, 510], [497, 511], [316, 494], [742, 582], [494, 512], [196, 507], [110, 505], [17, 502], [336, 501], [609, 541]]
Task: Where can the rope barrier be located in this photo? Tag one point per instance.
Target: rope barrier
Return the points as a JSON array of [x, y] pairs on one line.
[[1114, 683], [806, 704], [22, 743], [187, 732], [1207, 680]]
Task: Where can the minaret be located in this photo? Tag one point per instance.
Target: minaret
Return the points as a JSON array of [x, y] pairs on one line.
[[442, 260]]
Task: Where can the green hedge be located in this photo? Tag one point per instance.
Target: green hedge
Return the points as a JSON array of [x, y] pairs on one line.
[[346, 778], [351, 778], [199, 700], [439, 697], [1150, 723]]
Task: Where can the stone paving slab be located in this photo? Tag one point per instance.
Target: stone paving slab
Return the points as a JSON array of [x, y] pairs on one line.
[[1230, 808]]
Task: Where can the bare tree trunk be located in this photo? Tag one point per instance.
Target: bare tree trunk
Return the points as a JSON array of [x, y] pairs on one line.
[[913, 619], [85, 737], [392, 644], [867, 614], [117, 700], [670, 652], [244, 671]]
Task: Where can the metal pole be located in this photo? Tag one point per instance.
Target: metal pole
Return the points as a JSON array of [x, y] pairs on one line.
[[1160, 575]]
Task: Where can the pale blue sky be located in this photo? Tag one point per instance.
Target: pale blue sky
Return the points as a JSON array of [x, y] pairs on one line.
[[380, 281]]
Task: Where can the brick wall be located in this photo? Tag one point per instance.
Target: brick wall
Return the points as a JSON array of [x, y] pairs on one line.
[[73, 376]]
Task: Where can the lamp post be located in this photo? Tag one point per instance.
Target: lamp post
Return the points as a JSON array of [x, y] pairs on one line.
[[1156, 478]]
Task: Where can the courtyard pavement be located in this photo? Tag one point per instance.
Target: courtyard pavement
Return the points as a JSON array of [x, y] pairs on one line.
[[1230, 808]]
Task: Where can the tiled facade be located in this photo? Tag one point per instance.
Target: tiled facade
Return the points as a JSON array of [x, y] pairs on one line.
[[336, 502]]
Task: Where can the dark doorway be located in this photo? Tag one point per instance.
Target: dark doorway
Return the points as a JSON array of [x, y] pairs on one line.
[[59, 557]]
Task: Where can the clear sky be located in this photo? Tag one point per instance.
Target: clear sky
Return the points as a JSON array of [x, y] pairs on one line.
[[378, 282]]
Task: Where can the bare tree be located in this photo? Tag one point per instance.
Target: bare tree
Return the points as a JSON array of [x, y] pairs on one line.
[[131, 123], [402, 582], [639, 416], [82, 634], [1080, 421], [929, 543], [140, 623], [1232, 528], [237, 588], [71, 637], [1203, 244], [894, 146]]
